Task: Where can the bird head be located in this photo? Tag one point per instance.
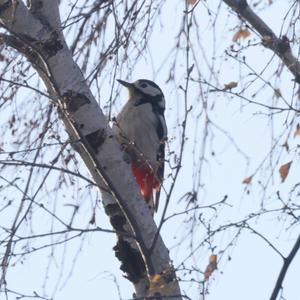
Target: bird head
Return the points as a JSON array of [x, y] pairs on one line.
[[144, 88]]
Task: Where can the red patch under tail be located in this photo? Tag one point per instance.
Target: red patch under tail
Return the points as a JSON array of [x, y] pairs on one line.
[[146, 180]]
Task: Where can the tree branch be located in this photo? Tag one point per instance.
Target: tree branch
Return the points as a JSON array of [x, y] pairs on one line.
[[286, 263], [279, 46], [35, 33]]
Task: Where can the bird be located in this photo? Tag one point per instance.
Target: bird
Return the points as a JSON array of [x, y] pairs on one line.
[[142, 132]]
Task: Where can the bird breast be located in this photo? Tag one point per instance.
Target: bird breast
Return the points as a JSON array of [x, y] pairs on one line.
[[136, 126]]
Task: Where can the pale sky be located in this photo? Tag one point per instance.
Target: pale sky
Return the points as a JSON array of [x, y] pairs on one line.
[[248, 270]]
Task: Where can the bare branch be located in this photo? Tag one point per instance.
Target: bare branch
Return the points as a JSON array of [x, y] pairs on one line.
[[280, 46], [286, 263], [45, 47]]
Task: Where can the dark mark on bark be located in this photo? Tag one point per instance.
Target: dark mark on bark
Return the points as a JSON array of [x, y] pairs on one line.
[[131, 260], [169, 276], [283, 45], [47, 47], [111, 209], [74, 100], [5, 6], [52, 45], [96, 139], [118, 222]]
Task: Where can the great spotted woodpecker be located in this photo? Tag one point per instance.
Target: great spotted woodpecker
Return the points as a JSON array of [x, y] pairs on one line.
[[142, 132]]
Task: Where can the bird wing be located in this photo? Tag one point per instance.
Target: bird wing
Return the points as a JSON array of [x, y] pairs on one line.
[[162, 135]]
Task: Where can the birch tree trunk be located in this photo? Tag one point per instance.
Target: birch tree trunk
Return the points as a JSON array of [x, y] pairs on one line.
[[36, 32]]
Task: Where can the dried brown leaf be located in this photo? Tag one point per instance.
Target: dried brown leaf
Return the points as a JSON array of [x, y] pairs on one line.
[[247, 180], [242, 33], [230, 85], [284, 170], [156, 282], [159, 282], [212, 265], [191, 2], [297, 131], [156, 278]]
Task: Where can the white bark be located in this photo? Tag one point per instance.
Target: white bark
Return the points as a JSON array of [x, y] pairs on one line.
[[36, 34]]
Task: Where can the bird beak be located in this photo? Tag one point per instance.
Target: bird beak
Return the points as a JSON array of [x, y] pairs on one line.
[[125, 83]]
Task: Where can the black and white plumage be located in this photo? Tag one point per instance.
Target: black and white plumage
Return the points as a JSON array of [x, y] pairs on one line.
[[142, 131]]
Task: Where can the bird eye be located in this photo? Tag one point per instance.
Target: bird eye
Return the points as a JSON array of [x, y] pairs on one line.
[[143, 85]]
